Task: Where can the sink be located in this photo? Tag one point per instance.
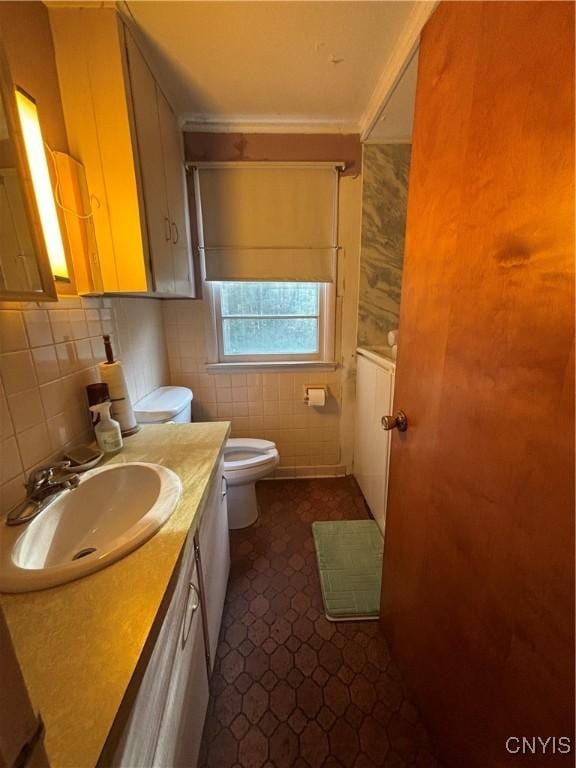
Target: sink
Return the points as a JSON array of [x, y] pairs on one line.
[[113, 511]]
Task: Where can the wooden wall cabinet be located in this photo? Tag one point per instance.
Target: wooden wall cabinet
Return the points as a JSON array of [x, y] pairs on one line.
[[124, 132]]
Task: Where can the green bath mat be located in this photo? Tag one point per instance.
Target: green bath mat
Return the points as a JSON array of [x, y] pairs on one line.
[[349, 555]]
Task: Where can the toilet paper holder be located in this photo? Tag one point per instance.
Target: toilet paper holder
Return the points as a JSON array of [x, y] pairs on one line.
[[308, 387]]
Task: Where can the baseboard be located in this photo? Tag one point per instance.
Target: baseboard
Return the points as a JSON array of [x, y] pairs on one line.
[[295, 473]]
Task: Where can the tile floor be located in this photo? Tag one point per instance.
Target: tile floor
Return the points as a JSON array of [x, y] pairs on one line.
[[291, 689]]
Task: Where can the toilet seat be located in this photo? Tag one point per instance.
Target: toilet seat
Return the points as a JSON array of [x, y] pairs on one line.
[[245, 454]]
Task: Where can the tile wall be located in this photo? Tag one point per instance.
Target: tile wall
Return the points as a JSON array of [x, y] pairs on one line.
[[260, 405], [48, 354]]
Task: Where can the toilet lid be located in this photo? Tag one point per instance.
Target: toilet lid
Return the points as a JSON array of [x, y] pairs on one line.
[[242, 453]]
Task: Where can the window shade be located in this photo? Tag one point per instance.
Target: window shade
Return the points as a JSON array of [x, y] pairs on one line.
[[268, 222]]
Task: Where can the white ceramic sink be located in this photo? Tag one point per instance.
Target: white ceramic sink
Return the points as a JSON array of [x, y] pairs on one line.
[[114, 510]]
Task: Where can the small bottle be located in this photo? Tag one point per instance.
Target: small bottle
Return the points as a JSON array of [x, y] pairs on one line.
[[108, 434]]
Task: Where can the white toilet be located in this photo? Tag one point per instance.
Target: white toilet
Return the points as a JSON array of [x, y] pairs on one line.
[[245, 459]]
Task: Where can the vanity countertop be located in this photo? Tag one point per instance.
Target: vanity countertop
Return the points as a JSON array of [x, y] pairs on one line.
[[78, 644], [378, 354]]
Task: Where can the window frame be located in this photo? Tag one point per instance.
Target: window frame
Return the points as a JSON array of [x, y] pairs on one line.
[[326, 331]]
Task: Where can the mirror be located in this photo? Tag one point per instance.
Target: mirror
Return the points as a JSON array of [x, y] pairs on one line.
[[25, 272]]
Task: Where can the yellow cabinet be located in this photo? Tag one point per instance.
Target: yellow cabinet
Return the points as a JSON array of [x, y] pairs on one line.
[[124, 132]]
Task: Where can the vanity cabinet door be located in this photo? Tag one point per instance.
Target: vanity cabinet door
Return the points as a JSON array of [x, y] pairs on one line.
[[214, 540], [142, 733], [187, 700]]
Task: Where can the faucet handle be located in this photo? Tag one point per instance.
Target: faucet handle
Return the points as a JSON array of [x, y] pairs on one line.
[[71, 481], [59, 472], [44, 475]]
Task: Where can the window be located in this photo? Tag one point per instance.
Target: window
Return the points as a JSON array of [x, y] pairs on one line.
[[266, 321]]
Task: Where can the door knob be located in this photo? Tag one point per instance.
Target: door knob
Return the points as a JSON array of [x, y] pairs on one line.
[[399, 422]]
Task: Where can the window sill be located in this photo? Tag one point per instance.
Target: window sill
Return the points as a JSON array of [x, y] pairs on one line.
[[289, 365]]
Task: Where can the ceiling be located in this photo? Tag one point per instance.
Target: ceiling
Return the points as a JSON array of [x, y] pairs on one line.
[[274, 64]]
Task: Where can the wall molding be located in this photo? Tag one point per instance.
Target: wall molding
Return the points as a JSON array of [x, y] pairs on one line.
[[246, 124], [400, 58]]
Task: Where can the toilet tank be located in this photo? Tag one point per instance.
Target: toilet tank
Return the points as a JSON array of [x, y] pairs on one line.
[[165, 404]]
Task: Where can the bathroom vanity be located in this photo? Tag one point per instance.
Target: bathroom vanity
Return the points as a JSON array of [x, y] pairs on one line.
[[117, 662]]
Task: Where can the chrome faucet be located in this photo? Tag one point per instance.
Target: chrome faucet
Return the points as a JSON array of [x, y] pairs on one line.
[[43, 483]]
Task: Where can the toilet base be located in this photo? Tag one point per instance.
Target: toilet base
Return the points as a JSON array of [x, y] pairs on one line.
[[242, 506]]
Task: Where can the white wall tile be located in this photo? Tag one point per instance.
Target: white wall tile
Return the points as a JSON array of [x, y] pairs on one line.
[[38, 327], [46, 364], [67, 358], [78, 323], [269, 405], [54, 397], [6, 427], [17, 371], [49, 356], [240, 394], [223, 394], [34, 445], [60, 324], [12, 332], [11, 465], [11, 493], [26, 409]]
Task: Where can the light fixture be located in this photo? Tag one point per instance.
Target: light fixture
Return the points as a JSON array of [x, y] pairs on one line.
[[42, 184]]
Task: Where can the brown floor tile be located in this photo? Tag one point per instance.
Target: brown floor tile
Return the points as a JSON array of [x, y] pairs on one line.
[[291, 689]]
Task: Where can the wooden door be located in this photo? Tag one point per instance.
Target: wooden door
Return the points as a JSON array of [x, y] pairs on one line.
[[151, 162], [478, 580], [177, 198]]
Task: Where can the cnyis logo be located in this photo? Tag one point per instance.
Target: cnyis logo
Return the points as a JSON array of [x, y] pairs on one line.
[[539, 745]]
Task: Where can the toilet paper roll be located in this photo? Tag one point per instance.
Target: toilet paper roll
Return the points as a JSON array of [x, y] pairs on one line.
[[113, 375], [392, 338], [316, 397]]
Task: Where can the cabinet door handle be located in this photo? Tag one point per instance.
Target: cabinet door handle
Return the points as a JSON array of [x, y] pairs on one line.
[[175, 233], [192, 605], [167, 229], [223, 487]]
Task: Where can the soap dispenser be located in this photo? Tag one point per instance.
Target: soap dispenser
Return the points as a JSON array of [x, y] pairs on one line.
[[108, 433]]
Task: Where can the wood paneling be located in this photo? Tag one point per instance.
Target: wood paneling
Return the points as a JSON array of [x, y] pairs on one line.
[[278, 147], [478, 580]]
